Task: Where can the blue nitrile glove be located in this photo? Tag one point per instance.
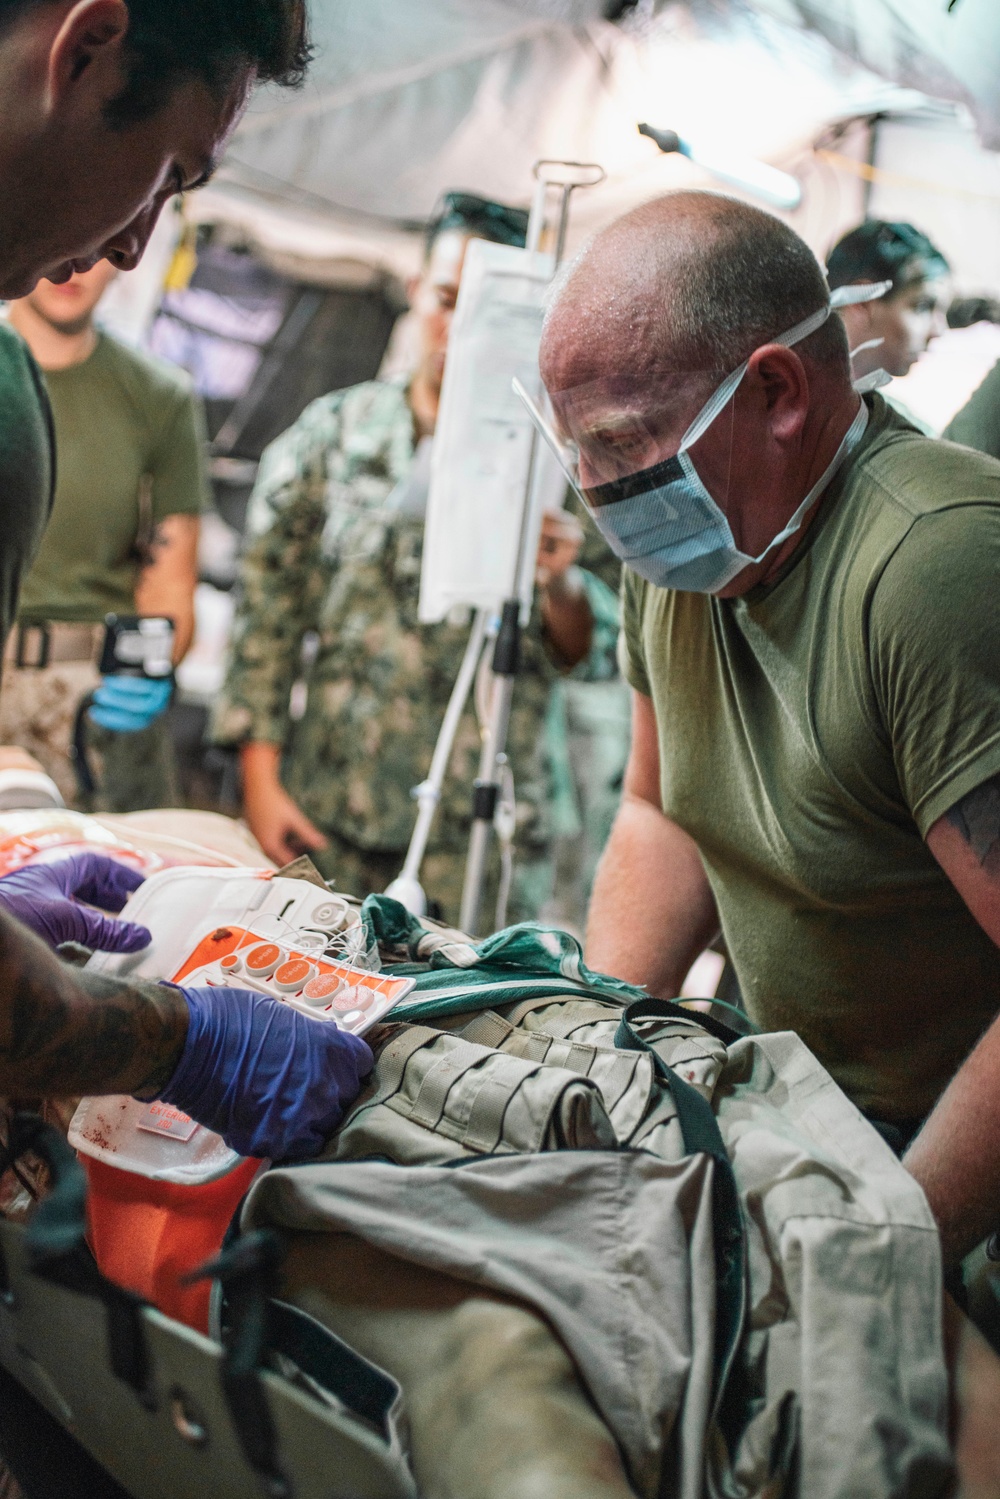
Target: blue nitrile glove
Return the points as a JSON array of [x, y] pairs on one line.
[[268, 1079], [45, 897], [128, 704]]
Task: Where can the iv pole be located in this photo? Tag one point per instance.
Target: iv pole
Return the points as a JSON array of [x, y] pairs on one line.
[[562, 177], [776, 188], [406, 887]]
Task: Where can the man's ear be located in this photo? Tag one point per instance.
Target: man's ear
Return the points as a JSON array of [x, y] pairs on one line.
[[89, 40], [778, 377]]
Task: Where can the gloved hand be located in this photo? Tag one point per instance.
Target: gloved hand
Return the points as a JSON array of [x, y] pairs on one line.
[[128, 704], [268, 1079], [45, 897]]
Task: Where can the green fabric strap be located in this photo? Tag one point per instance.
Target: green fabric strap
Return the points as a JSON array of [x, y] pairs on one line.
[[701, 1134]]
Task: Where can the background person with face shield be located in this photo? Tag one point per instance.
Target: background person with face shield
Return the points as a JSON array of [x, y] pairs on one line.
[[892, 332], [336, 528], [815, 686]]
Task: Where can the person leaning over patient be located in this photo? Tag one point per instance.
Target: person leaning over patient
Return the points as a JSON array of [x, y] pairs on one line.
[[109, 109], [122, 539], [336, 530], [816, 683]]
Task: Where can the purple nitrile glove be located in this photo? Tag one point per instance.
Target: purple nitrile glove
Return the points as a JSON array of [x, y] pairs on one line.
[[46, 898], [268, 1079]]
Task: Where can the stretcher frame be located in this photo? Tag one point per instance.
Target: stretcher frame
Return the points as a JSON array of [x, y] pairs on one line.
[[163, 1409]]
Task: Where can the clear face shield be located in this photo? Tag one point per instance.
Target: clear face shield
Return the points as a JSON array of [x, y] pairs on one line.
[[625, 444]]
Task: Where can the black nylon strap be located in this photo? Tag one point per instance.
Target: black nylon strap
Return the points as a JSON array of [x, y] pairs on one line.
[[248, 1271], [701, 1134], [57, 1250], [669, 1009]]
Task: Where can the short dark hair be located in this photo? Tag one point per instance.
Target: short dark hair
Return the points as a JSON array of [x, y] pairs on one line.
[[885, 250], [483, 217], [214, 40]]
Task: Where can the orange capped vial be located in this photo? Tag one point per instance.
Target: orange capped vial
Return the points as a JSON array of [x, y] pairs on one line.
[[262, 960], [292, 976], [319, 991]]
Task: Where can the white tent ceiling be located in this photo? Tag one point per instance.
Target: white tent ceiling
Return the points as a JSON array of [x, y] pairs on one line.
[[407, 98]]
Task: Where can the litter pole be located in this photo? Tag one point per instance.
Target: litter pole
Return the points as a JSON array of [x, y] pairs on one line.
[[563, 177], [486, 788], [406, 887]]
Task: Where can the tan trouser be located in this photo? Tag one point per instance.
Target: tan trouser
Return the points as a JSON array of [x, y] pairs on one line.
[[38, 707], [494, 1405]]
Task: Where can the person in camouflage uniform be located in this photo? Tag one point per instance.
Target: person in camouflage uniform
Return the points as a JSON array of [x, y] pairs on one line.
[[335, 535]]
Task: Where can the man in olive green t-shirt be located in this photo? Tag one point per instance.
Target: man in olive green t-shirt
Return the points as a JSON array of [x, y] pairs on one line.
[[122, 540], [810, 636]]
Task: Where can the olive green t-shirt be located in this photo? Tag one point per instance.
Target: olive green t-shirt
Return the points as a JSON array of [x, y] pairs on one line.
[[26, 468], [127, 426], [977, 425], [811, 732]]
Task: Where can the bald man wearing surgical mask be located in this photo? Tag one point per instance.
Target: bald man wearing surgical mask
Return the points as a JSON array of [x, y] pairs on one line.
[[815, 754]]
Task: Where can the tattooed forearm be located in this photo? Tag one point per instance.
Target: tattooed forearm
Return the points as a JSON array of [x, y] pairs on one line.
[[155, 546], [64, 1033], [977, 818]]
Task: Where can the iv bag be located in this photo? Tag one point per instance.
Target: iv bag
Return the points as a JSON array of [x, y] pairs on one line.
[[483, 441]]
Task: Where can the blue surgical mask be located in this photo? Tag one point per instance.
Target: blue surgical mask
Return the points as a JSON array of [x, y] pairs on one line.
[[663, 522]]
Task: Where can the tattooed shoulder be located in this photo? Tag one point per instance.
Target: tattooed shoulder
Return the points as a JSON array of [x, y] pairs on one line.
[[976, 816]]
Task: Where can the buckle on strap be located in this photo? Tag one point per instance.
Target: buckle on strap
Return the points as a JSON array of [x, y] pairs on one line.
[[44, 647]]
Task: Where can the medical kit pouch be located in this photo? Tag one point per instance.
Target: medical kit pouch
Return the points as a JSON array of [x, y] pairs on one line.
[[163, 1188]]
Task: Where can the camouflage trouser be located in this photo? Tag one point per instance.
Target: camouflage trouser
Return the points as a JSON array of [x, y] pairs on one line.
[[589, 732], [361, 872], [37, 712]]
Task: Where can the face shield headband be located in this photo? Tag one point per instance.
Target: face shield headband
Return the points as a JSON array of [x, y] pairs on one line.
[[661, 520]]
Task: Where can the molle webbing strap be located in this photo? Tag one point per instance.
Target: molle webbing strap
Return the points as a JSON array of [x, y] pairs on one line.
[[487, 1029], [584, 1012]]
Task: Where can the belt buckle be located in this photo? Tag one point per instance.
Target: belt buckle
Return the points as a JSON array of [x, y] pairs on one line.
[[44, 650]]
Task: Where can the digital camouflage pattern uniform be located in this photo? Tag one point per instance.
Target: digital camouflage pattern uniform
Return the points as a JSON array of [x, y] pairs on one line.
[[329, 551]]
